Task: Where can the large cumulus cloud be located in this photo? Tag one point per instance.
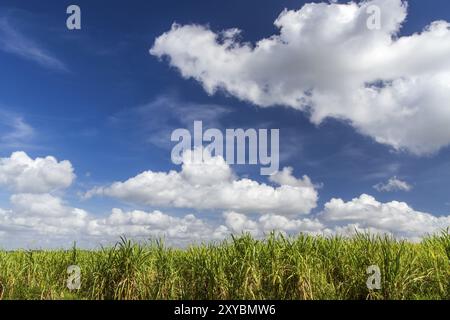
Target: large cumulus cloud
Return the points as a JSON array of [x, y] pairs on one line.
[[211, 184], [327, 62], [20, 173]]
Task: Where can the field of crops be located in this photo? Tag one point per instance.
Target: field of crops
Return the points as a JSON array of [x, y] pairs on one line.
[[303, 267]]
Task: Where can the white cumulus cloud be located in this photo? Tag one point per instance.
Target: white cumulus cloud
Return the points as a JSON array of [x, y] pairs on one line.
[[38, 218], [239, 223], [144, 224], [366, 213], [211, 184], [22, 174], [42, 219], [327, 62]]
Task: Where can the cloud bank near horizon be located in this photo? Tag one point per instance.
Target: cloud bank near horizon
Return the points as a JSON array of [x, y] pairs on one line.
[[40, 217]]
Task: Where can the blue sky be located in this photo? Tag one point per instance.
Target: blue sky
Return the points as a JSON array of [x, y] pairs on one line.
[[99, 99]]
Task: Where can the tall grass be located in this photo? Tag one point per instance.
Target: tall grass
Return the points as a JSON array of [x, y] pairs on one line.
[[278, 267]]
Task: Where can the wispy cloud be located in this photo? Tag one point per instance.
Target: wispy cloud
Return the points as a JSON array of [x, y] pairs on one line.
[[15, 132], [172, 113], [393, 184], [15, 42]]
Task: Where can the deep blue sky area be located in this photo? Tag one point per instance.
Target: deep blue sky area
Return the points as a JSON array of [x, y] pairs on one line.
[[87, 112]]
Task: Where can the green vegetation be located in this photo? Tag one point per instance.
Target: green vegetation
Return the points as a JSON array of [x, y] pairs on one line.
[[303, 267]]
